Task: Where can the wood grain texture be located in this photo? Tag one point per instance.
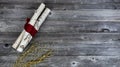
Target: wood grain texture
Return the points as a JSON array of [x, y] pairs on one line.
[[82, 33], [61, 6], [61, 1]]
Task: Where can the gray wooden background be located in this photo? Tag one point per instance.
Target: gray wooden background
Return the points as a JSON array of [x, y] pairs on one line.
[[82, 33]]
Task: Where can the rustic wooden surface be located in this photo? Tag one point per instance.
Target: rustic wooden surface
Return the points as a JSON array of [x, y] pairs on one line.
[[82, 33]]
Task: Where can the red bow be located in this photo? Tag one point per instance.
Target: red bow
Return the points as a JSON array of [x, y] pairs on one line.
[[29, 28]]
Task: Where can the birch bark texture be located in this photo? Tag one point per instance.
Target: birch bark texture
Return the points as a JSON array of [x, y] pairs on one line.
[[38, 18]]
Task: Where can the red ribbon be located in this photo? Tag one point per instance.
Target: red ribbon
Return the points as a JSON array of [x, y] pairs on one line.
[[29, 28]]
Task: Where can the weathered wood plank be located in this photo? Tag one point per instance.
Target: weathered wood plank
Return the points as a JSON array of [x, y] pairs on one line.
[[71, 61], [60, 1], [67, 37], [64, 44], [68, 15], [61, 6], [63, 26], [68, 50]]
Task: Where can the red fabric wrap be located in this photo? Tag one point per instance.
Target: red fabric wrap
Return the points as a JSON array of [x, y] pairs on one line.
[[29, 28]]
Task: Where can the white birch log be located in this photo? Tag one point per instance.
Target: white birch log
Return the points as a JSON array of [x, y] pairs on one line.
[[42, 18], [32, 22], [27, 37]]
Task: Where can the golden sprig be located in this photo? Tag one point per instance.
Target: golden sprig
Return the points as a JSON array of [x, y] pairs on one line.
[[31, 50]]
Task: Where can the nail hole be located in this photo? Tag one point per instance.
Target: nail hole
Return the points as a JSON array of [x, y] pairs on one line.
[[73, 63], [6, 45], [64, 9], [93, 58]]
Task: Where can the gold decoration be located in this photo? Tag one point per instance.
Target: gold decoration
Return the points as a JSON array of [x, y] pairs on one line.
[[24, 59]]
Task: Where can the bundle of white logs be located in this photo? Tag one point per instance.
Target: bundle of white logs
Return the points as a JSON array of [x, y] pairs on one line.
[[31, 28]]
